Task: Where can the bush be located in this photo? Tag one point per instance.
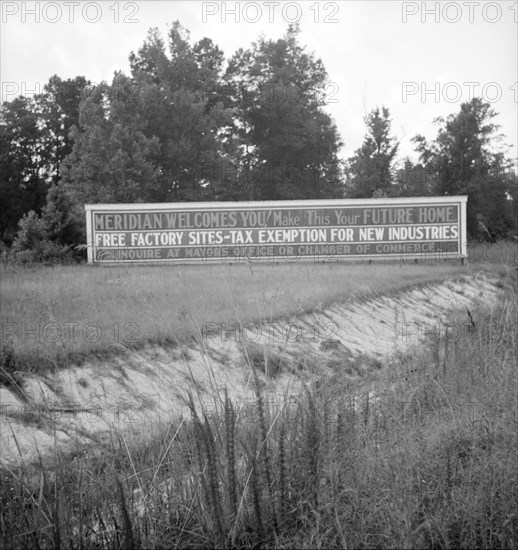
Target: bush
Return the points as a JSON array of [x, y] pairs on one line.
[[31, 234], [56, 253], [32, 243]]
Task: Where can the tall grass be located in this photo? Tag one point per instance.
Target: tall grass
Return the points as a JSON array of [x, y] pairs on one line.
[[54, 316], [423, 454]]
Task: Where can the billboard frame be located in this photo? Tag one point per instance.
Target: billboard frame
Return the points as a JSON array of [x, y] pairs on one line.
[[460, 200]]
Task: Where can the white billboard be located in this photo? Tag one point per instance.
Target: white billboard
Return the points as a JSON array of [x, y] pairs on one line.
[[314, 230]]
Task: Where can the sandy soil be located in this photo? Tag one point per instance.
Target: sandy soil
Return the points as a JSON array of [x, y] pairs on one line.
[[137, 392]]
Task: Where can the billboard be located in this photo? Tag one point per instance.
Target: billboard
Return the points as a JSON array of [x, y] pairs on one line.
[[314, 230]]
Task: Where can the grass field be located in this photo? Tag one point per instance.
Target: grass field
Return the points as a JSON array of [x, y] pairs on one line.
[[53, 315], [428, 462]]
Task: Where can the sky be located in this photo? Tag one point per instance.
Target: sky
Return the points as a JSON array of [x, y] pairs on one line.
[[419, 59]]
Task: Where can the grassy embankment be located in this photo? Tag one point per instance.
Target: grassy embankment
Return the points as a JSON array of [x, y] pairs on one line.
[[57, 315], [52, 316], [431, 462]]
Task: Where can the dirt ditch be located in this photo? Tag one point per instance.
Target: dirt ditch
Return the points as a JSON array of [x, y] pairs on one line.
[[140, 390]]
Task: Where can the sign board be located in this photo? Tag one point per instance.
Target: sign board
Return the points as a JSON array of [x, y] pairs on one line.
[[316, 230]]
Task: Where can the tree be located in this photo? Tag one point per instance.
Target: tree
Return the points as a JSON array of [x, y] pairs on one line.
[[112, 159], [164, 133], [149, 136], [413, 180], [63, 217], [466, 158], [371, 169], [461, 149], [31, 234], [282, 140], [34, 140], [23, 161], [177, 110], [58, 108]]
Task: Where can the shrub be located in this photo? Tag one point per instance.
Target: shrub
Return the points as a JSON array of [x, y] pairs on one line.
[[31, 235], [32, 243]]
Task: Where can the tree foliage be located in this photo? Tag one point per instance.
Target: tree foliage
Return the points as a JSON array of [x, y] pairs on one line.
[[466, 159], [34, 140], [177, 113], [23, 180], [187, 125], [371, 169], [414, 180], [282, 139], [112, 159]]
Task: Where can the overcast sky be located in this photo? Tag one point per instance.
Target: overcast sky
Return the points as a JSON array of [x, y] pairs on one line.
[[415, 58]]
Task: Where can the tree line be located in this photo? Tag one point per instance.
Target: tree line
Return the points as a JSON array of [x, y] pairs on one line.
[[188, 125]]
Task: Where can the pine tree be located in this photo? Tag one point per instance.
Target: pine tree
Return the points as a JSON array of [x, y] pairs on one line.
[[371, 169]]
